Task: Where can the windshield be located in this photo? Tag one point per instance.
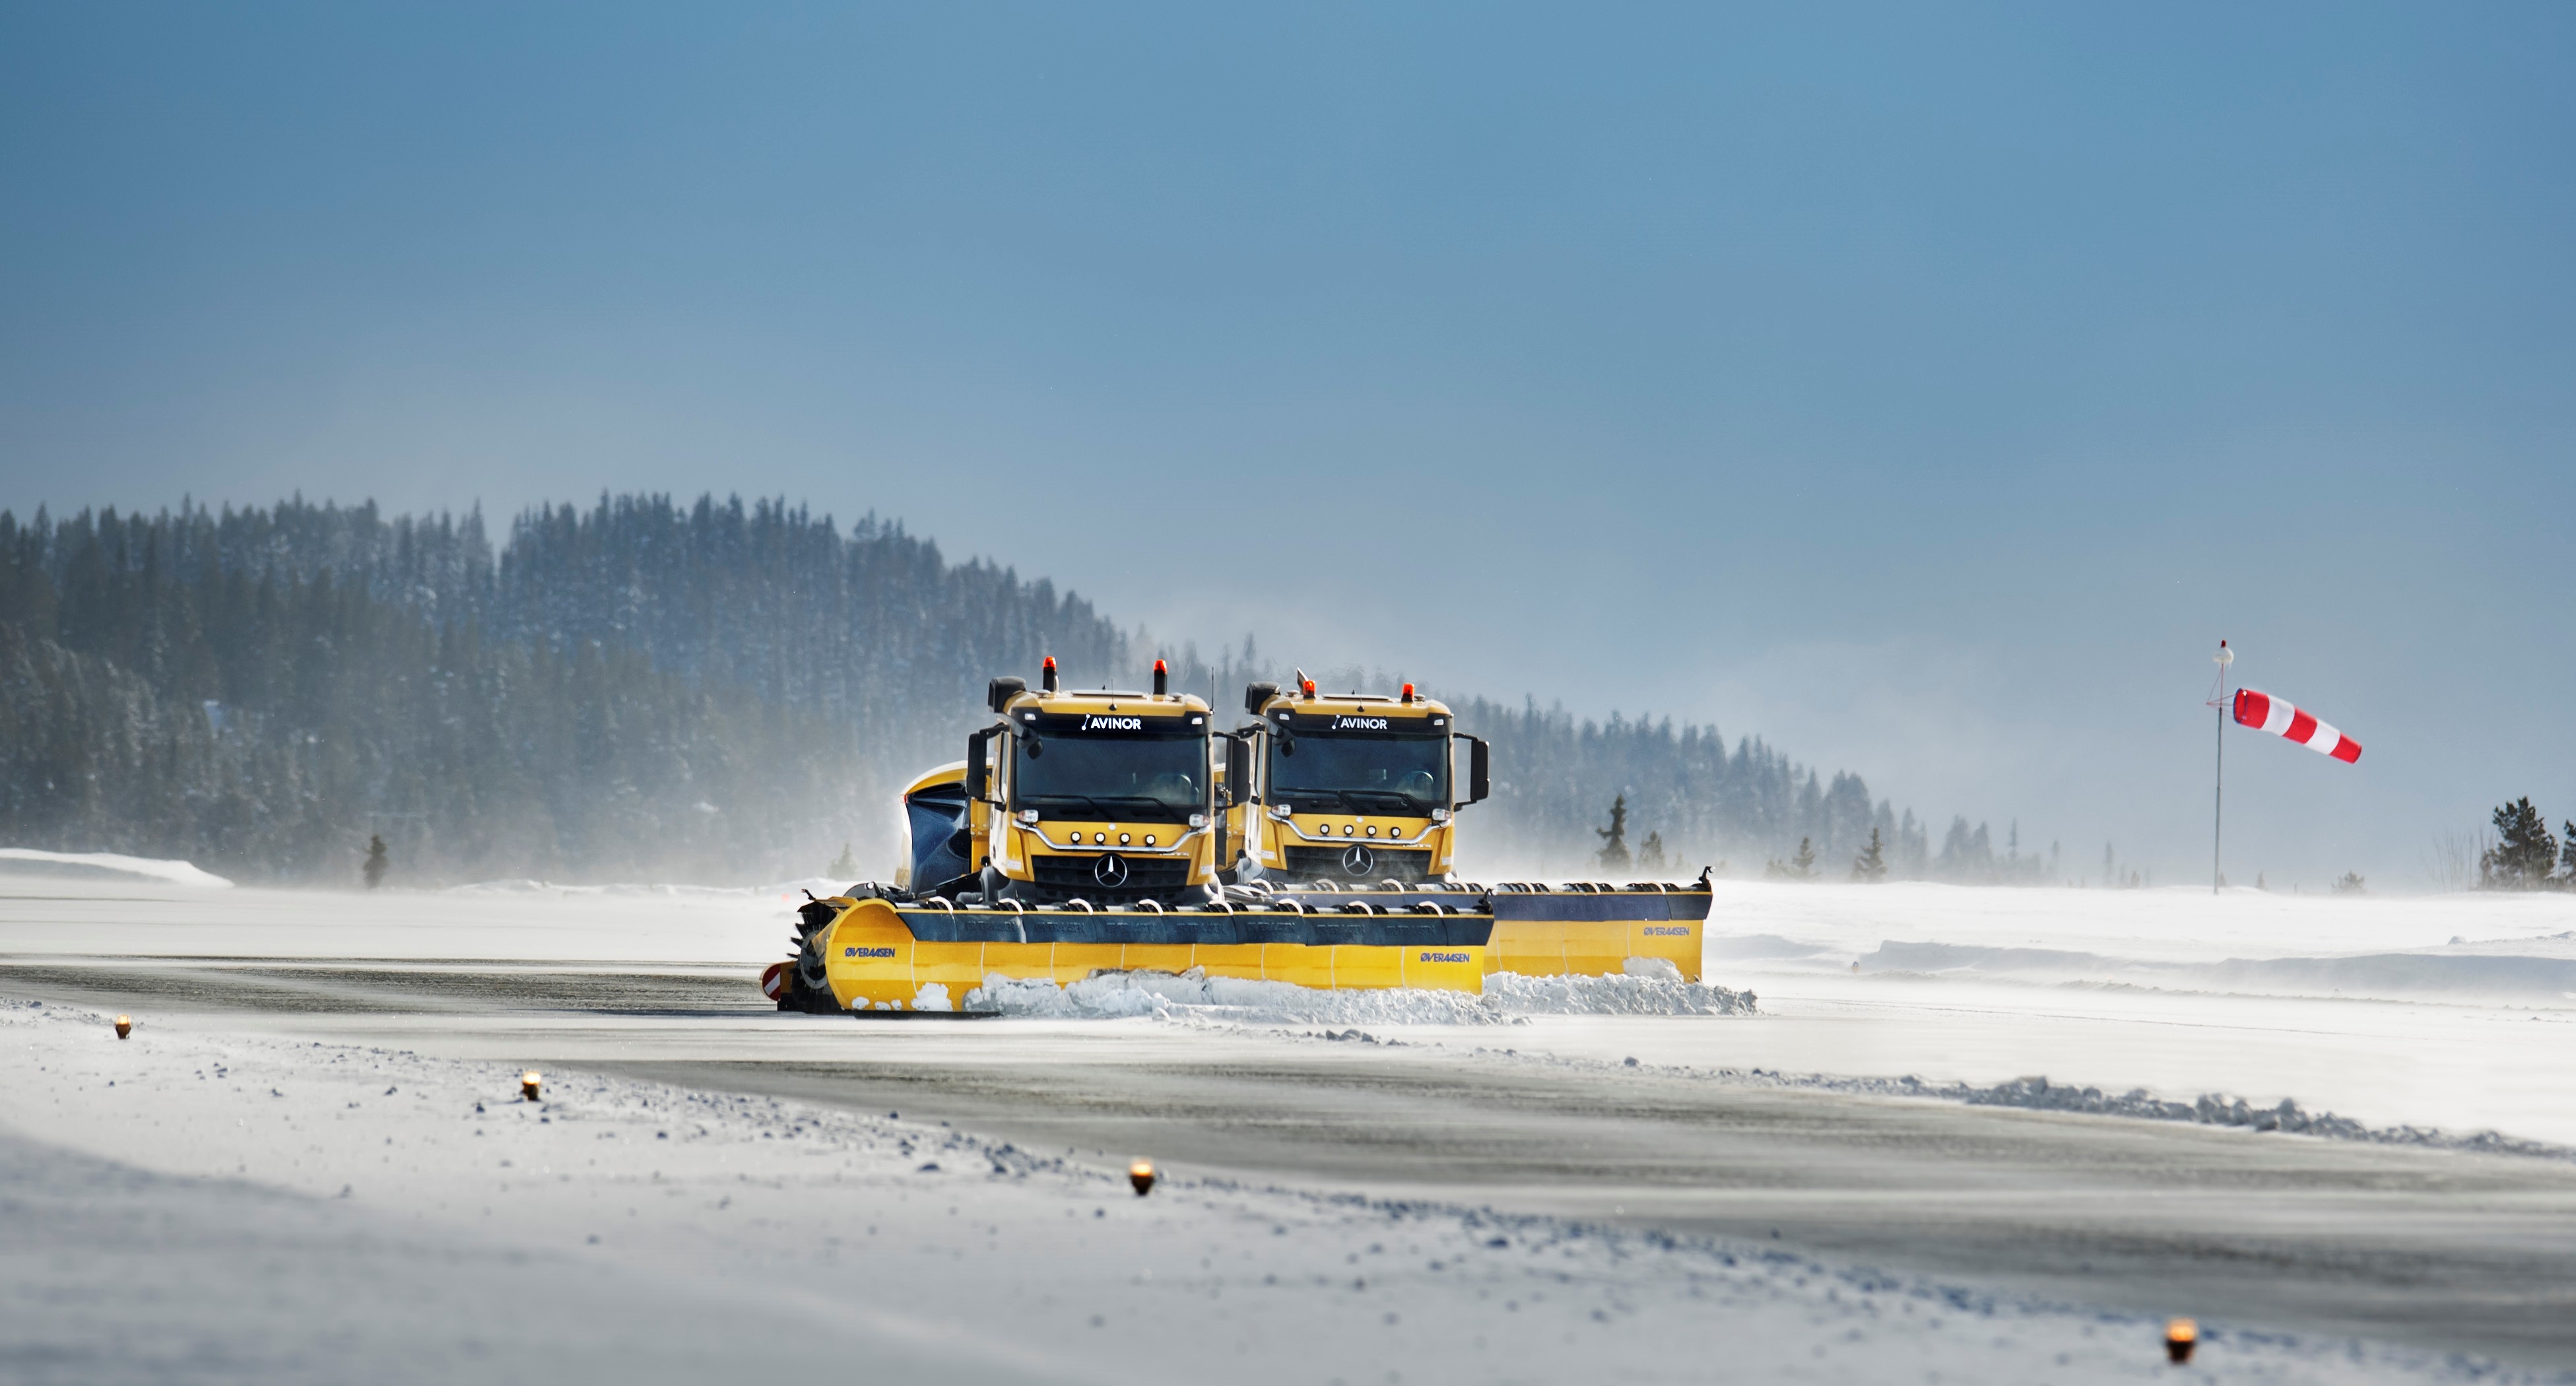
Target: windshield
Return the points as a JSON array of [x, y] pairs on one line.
[[1148, 779], [1362, 774]]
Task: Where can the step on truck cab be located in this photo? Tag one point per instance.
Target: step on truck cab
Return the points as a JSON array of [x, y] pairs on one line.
[[1352, 789]]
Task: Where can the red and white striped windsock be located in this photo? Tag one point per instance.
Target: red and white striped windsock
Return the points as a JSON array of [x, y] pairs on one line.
[[2263, 712]]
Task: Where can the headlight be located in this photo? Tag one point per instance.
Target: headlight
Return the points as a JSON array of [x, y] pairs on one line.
[[1028, 815], [1281, 812], [1440, 815], [1198, 820]]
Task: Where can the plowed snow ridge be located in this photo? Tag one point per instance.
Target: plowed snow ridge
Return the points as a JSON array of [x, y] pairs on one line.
[[1191, 995]]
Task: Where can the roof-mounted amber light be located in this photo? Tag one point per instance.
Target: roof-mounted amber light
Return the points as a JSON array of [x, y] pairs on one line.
[[1046, 674], [1408, 692], [1162, 678]]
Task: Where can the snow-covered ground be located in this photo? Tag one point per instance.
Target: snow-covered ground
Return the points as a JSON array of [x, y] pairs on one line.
[[194, 1205], [2446, 1011], [2438, 1012], [2452, 1012]]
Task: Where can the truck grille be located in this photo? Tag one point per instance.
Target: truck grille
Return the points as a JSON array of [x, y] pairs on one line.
[[1385, 864], [1065, 878]]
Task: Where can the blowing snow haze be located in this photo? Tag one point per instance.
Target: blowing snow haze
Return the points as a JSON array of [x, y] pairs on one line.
[[1921, 394]]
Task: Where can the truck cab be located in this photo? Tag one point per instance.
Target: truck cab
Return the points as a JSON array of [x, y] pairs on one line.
[[1352, 790], [1098, 796]]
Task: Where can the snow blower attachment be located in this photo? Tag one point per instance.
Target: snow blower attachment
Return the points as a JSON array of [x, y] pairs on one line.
[[1093, 831]]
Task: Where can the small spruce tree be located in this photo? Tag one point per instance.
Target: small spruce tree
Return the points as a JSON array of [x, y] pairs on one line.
[[844, 867], [1650, 856], [1803, 865], [374, 870], [2525, 855], [1614, 850], [1871, 864], [2351, 884]]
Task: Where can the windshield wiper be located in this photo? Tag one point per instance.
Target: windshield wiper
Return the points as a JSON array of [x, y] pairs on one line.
[[1166, 806], [1040, 800], [1363, 800], [1404, 802], [1158, 809]]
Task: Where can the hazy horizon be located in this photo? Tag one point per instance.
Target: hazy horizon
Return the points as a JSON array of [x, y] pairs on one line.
[[1924, 393]]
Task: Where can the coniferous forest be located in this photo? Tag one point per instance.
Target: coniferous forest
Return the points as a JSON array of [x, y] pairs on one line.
[[713, 692]]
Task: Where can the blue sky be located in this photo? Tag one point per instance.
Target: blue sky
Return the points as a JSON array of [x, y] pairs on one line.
[[1927, 390]]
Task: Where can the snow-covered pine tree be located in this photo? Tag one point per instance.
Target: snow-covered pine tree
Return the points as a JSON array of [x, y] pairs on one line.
[[2525, 856], [1614, 839], [1871, 865]]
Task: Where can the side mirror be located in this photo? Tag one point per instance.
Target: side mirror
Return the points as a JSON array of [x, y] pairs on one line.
[[1238, 770], [979, 775], [1257, 696], [1480, 771], [1001, 691]]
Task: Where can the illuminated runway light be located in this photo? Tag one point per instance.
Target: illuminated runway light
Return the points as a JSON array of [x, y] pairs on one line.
[[2181, 1336]]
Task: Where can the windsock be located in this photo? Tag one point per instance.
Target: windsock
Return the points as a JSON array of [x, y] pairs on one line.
[[2263, 712]]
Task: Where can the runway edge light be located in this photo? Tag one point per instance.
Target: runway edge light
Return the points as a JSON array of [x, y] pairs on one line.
[[530, 1083], [2181, 1336], [124, 1026], [1141, 1174]]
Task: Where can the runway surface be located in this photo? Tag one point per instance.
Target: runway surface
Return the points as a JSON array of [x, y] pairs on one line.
[[2444, 1250]]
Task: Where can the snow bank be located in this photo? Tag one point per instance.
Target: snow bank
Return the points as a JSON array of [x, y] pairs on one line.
[[2541, 970], [1194, 995], [1647, 994], [2038, 1094], [1831, 925], [150, 868]]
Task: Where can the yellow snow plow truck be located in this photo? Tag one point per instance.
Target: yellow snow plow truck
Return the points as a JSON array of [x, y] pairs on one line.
[[1101, 831], [1361, 792]]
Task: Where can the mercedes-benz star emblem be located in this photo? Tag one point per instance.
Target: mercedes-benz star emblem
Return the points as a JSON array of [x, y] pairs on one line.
[[1357, 859], [1110, 871]]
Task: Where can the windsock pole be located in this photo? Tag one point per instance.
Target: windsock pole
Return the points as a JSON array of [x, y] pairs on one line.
[[2218, 780]]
